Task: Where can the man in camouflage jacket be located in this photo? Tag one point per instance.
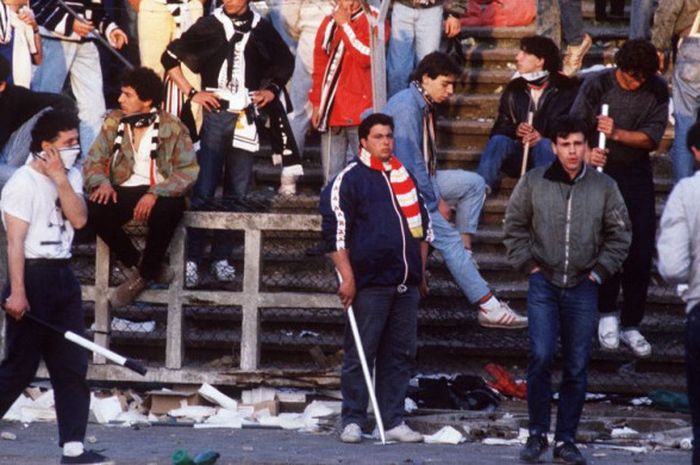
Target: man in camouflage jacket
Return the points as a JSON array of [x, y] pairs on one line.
[[140, 168]]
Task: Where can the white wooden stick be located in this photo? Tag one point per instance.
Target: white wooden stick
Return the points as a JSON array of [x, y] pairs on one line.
[[365, 368], [604, 109], [526, 150]]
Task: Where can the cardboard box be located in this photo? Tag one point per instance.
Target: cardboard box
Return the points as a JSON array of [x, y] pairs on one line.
[[272, 405], [165, 400]]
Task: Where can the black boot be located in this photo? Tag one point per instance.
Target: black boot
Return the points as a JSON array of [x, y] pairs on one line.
[[534, 449], [569, 454]]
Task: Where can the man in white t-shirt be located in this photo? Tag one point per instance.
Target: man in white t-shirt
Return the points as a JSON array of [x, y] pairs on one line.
[[140, 168], [41, 205]]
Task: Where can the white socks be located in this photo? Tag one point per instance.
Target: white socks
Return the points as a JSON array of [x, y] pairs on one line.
[[73, 449], [491, 304]]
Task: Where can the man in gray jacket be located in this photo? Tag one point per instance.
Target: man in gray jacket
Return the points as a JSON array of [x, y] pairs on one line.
[[567, 228], [678, 246]]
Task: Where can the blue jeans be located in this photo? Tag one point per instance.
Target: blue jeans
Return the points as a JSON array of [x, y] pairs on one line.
[[387, 323], [300, 117], [504, 153], [54, 296], [339, 145], [448, 241], [550, 23], [686, 101], [217, 155], [80, 61], [465, 191], [415, 32], [640, 20], [571, 313], [692, 366]]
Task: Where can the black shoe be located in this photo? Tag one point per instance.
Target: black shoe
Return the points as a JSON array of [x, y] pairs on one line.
[[89, 457], [568, 453], [534, 449]]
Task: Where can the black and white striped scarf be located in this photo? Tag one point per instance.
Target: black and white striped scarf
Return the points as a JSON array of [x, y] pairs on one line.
[[331, 75], [429, 147], [139, 120]]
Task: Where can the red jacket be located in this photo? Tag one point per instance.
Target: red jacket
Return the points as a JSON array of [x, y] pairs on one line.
[[354, 88]]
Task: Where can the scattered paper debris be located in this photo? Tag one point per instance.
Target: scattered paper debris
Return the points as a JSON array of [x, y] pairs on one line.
[[7, 436], [196, 413], [258, 395], [105, 410]]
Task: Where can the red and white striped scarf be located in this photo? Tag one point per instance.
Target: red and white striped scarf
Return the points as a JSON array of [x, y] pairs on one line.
[[403, 188]]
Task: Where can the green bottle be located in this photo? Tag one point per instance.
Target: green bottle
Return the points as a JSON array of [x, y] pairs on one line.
[[181, 457]]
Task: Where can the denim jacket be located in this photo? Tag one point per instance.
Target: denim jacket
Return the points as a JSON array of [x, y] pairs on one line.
[[407, 107], [175, 157]]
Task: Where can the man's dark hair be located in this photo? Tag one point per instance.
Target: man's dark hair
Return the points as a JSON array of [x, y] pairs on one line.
[[567, 125], [146, 83], [544, 48], [436, 64], [693, 138], [638, 57], [372, 120], [4, 69], [50, 124]]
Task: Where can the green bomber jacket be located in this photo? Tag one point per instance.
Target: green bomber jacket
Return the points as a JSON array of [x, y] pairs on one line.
[[176, 160]]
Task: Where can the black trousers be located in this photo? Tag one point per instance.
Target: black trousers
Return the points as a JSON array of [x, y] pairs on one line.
[[54, 296], [638, 194], [108, 219]]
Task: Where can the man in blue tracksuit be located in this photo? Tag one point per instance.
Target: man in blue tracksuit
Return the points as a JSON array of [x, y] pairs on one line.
[[377, 230]]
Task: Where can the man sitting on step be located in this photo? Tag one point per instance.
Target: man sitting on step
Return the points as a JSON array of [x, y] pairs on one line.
[[537, 87], [413, 112], [140, 168], [638, 113]]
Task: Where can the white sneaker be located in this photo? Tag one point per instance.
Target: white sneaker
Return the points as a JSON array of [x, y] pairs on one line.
[[191, 274], [288, 185], [352, 434], [403, 433], [635, 341], [497, 314], [223, 271], [609, 332]]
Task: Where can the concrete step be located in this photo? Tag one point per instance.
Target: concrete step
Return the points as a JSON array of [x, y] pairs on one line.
[[601, 33], [504, 57]]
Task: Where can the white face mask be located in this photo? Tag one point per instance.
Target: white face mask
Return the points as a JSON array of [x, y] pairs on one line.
[[69, 155]]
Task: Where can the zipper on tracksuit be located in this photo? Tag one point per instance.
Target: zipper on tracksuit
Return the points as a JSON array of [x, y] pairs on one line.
[[567, 235], [401, 287]]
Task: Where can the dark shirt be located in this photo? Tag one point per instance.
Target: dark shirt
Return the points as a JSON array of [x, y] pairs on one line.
[[204, 49], [18, 105], [643, 110]]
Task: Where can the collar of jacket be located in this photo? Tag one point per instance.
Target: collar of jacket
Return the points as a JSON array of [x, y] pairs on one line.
[[556, 173], [418, 96], [164, 129]]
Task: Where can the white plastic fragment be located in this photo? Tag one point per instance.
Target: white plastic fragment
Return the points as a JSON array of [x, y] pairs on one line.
[[447, 435], [105, 410], [624, 433], [215, 396], [7, 436], [409, 405]]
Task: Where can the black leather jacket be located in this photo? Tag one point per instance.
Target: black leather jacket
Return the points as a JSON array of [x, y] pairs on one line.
[[555, 102]]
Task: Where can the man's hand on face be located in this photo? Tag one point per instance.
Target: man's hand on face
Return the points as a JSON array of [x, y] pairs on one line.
[[103, 194], [53, 165], [16, 305], [142, 210], [341, 16]]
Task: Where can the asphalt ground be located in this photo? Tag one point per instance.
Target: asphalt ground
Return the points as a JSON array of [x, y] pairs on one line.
[[36, 444]]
